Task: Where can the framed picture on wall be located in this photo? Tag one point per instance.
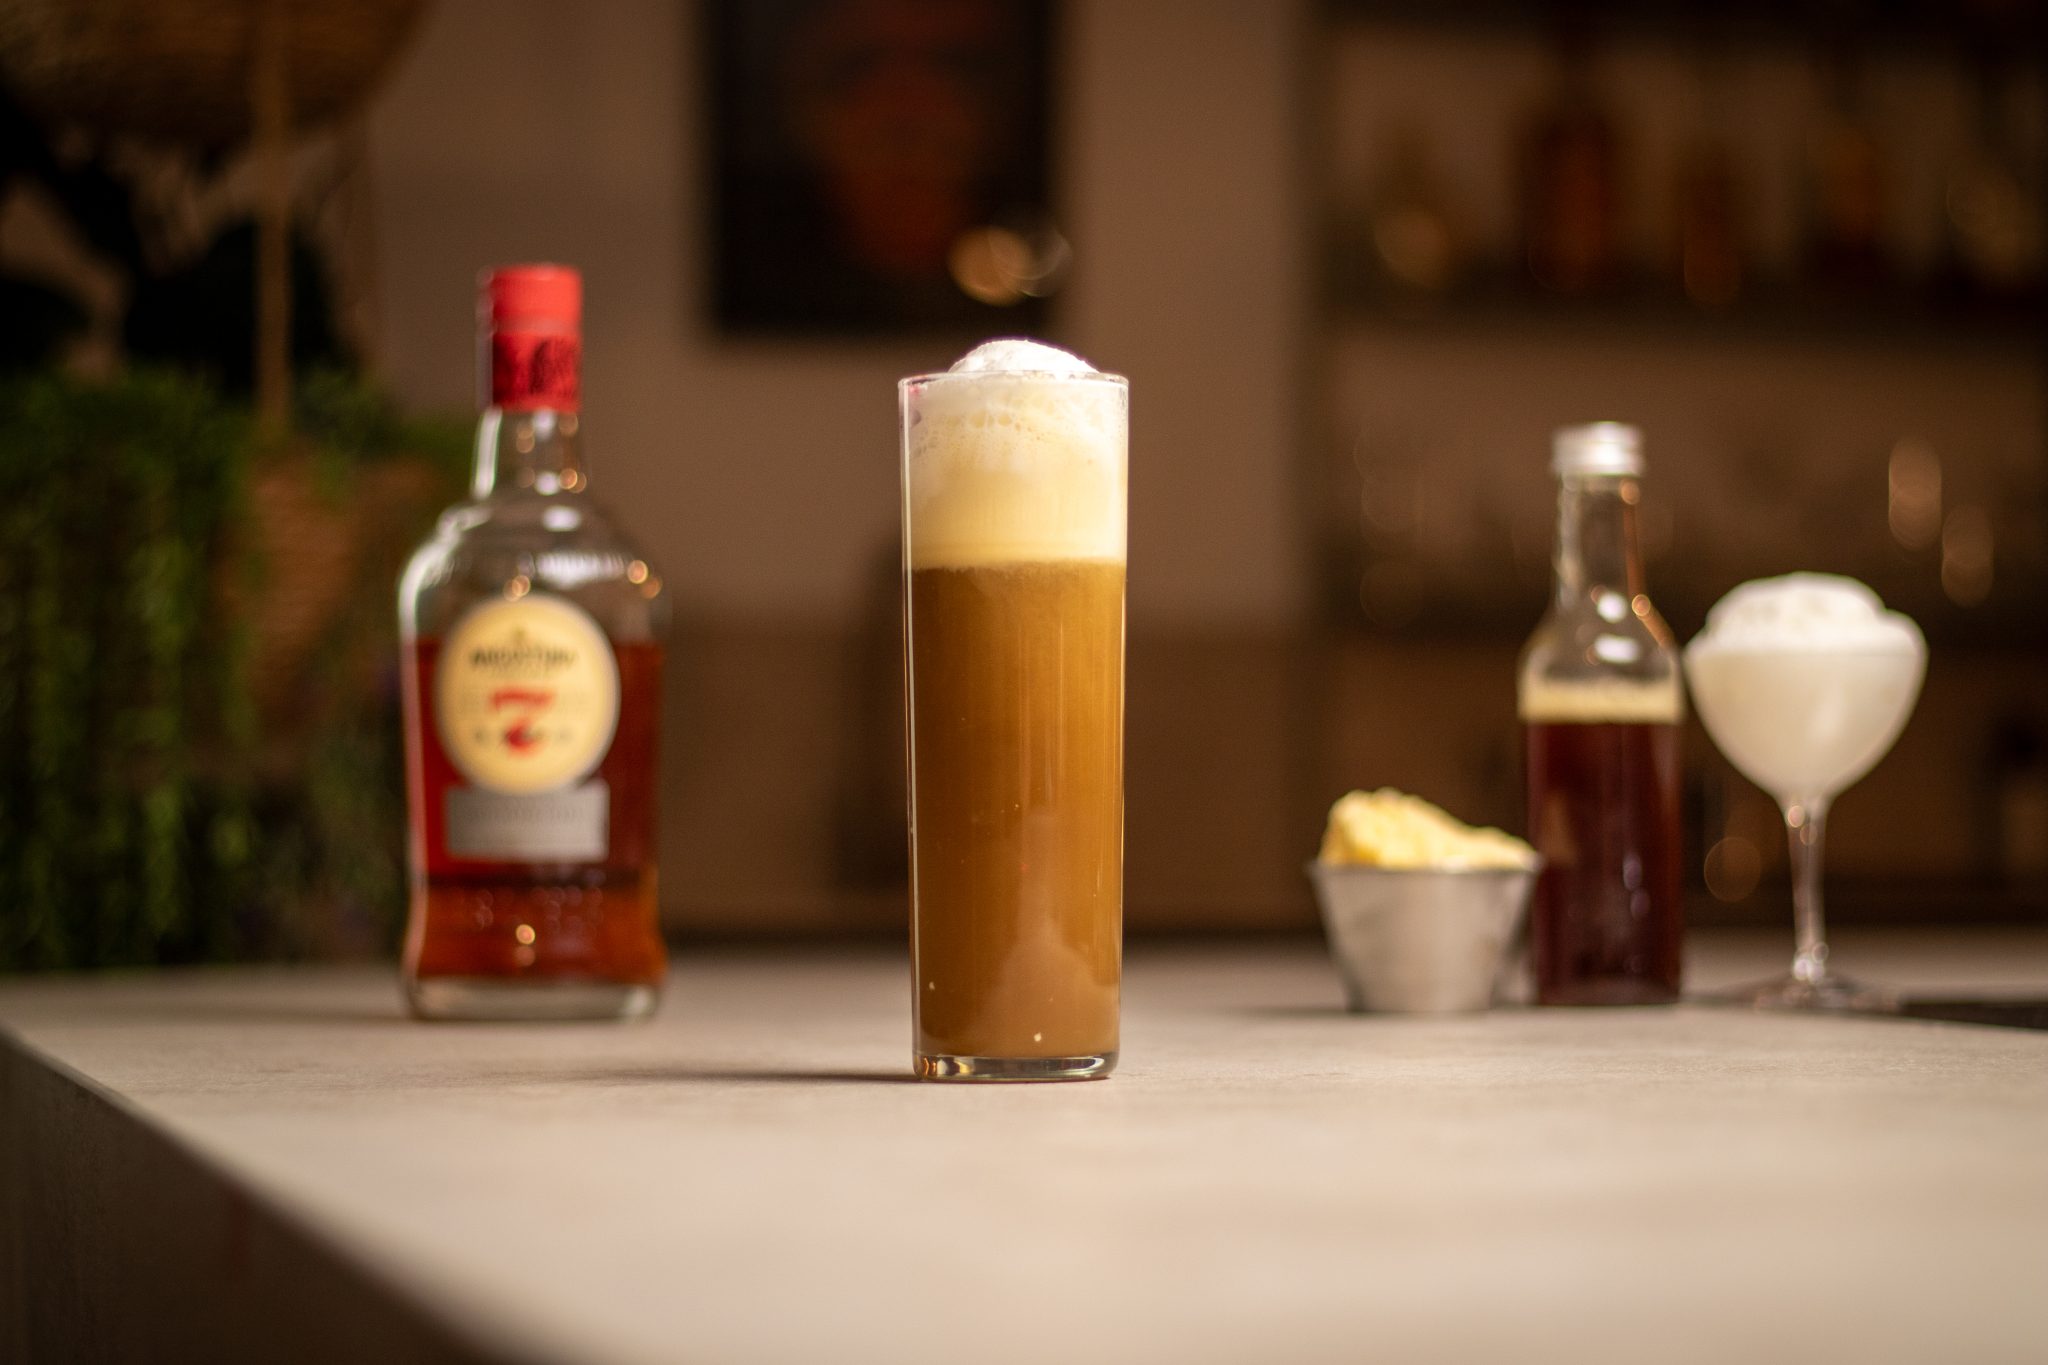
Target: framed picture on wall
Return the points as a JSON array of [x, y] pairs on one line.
[[880, 166]]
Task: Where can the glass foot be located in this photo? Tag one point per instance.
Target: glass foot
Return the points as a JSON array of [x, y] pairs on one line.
[[943, 1067], [1789, 992]]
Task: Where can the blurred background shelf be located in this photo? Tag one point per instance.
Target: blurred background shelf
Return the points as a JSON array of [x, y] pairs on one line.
[[1802, 247], [1911, 26], [1905, 319], [1301, 226]]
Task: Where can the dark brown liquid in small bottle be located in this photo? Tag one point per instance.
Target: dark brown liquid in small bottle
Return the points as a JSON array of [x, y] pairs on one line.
[[1606, 923]]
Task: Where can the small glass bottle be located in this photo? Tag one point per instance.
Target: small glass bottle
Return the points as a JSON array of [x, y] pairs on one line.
[[1601, 703], [531, 666]]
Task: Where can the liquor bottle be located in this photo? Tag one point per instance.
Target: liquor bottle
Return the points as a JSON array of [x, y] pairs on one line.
[[1414, 238], [1848, 184], [1569, 190], [1601, 703], [1708, 210], [1710, 248], [532, 683], [1994, 241]]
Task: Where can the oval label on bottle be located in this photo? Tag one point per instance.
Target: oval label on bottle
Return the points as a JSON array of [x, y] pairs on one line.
[[526, 694]]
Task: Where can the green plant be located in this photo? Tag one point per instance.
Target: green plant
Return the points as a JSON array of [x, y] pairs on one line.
[[149, 812], [123, 707], [347, 423]]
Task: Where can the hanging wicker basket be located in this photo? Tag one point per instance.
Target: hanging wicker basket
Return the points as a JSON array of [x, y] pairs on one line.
[[320, 557], [177, 71], [192, 74]]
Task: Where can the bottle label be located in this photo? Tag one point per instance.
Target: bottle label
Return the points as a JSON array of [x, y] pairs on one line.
[[537, 370], [526, 696], [568, 826]]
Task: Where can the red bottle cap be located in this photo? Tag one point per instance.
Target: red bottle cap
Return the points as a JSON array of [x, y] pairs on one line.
[[531, 318], [533, 298]]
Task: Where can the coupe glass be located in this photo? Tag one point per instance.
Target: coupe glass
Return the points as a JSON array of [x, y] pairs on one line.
[[1806, 724]]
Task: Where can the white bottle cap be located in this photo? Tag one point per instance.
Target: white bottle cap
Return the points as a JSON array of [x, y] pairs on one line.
[[1597, 448]]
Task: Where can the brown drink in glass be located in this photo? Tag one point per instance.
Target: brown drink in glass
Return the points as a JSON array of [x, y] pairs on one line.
[[1014, 498]]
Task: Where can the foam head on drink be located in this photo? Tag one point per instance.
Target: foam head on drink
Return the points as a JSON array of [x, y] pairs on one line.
[[1805, 681], [1014, 468], [1015, 455]]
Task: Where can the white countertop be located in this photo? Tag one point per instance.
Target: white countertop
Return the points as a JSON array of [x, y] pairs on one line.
[[750, 1177]]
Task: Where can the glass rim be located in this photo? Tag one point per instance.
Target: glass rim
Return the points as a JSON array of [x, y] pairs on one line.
[[906, 383]]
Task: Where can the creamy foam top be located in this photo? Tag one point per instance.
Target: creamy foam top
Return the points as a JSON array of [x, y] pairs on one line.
[[1015, 455], [1805, 613], [1019, 355]]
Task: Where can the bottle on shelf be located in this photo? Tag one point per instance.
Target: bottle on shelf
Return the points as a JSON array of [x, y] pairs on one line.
[[1993, 239], [1414, 241], [1711, 248], [531, 641], [1848, 186], [1569, 175], [1601, 702]]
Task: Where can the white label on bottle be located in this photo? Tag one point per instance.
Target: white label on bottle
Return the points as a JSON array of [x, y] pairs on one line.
[[572, 826], [526, 695]]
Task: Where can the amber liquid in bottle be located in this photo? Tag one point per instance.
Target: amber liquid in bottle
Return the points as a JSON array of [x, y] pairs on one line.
[[1605, 926], [568, 922], [532, 687]]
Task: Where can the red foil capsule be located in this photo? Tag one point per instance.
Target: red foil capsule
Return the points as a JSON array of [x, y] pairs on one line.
[[534, 317]]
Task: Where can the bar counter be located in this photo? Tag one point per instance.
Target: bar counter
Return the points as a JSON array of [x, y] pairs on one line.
[[274, 1164]]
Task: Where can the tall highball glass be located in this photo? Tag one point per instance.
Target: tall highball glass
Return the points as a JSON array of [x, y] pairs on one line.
[[1014, 495]]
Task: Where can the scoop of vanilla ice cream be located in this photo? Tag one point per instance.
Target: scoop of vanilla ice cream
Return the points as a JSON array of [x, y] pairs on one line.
[[1019, 355], [1805, 611], [1388, 828]]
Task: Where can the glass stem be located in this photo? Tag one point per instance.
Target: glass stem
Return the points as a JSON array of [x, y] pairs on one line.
[[1806, 822]]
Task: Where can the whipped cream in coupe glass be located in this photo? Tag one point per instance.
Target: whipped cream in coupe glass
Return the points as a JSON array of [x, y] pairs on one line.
[[1805, 681]]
